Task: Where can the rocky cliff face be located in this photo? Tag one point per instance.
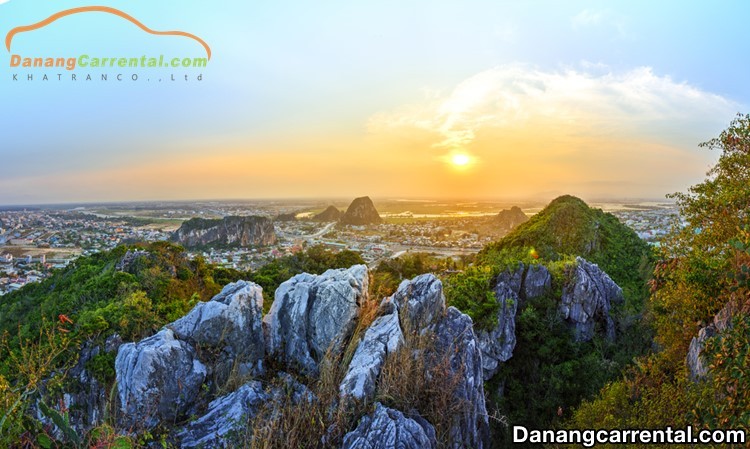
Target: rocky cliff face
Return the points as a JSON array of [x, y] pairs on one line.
[[508, 219], [165, 378], [330, 214], [361, 212], [229, 231], [587, 299]]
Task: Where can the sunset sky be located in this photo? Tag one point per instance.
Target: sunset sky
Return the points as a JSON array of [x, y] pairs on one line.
[[469, 99]]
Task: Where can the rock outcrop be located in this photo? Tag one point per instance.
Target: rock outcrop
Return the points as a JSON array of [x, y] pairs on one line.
[[386, 428], [508, 219], [312, 314], [361, 212], [497, 344], [587, 299], [457, 342], [330, 214], [229, 231], [157, 379], [231, 321], [225, 417], [420, 302], [383, 337]]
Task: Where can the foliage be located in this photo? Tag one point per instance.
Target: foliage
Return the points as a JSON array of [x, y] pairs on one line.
[[569, 227], [703, 269], [471, 292]]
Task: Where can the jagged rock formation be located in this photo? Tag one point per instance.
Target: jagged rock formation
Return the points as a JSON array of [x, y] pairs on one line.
[[231, 321], [508, 219], [163, 378], [227, 415], [229, 231], [386, 428], [224, 417], [311, 314], [420, 302], [457, 342], [497, 345], [512, 289], [361, 212], [383, 337], [330, 214], [157, 379], [587, 299]]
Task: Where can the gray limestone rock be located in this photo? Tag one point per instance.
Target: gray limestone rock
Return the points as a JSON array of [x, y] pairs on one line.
[[420, 302], [383, 337], [226, 415], [157, 379], [587, 299], [311, 314], [455, 340], [497, 344], [231, 320], [386, 428]]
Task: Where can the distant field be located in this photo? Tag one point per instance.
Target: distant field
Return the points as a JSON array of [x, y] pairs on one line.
[[51, 253]]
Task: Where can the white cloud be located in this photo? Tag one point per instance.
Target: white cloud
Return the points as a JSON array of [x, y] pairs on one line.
[[587, 17], [513, 95], [4, 1], [604, 19], [594, 119]]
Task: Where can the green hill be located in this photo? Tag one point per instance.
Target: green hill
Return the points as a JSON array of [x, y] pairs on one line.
[[569, 227]]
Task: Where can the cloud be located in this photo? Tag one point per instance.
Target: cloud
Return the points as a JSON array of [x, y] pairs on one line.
[[587, 17], [596, 126]]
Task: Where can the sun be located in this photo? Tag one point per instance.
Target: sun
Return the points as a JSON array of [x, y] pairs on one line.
[[460, 159]]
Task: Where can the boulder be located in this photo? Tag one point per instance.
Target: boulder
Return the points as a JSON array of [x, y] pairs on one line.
[[157, 379], [587, 299], [387, 428], [383, 337], [497, 344], [311, 314], [231, 320], [420, 302], [456, 341], [225, 417]]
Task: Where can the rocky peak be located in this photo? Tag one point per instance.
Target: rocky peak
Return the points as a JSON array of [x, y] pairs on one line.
[[508, 219], [361, 212], [330, 214], [228, 231]]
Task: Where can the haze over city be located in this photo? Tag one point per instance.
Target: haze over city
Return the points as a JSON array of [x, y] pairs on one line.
[[471, 100]]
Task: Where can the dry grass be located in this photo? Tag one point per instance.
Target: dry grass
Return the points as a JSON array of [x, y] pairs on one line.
[[323, 422], [418, 378]]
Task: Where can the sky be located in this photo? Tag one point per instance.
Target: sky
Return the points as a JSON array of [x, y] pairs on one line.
[[421, 99]]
